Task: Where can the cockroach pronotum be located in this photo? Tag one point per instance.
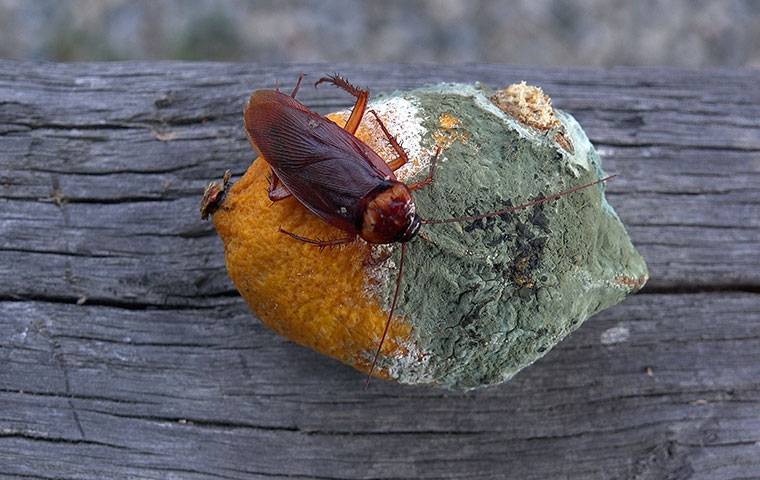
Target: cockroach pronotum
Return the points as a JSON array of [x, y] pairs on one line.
[[341, 179]]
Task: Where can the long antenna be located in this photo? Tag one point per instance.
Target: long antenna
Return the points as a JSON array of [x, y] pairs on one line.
[[537, 201], [390, 314]]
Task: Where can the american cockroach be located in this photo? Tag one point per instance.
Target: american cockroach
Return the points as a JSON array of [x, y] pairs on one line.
[[341, 179]]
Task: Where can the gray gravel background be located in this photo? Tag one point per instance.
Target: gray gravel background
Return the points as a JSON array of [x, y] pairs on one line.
[[528, 32]]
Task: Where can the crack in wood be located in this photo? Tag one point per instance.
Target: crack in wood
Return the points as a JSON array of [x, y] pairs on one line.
[[57, 354]]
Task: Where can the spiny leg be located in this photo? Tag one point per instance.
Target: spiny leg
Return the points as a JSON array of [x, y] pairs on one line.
[[318, 242], [277, 191], [431, 172], [402, 158], [361, 100], [298, 85]]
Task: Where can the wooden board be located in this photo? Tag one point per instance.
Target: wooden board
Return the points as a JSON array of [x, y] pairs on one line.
[[125, 351]]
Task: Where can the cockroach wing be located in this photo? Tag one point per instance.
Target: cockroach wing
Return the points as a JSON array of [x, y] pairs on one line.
[[326, 168]]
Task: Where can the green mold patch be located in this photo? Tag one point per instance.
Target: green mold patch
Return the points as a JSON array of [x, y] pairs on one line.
[[490, 297]]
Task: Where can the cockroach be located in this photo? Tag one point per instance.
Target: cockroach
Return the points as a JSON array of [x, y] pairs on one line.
[[341, 179]]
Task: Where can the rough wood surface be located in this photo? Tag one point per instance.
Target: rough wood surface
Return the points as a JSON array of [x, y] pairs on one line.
[[126, 353]]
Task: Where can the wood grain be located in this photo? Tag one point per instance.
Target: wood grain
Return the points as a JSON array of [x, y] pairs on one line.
[[125, 351]]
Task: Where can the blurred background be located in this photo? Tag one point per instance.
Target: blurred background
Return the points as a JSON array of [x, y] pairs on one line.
[[528, 32]]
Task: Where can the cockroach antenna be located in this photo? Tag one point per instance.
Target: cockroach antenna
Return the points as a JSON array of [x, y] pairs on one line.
[[523, 206], [390, 314]]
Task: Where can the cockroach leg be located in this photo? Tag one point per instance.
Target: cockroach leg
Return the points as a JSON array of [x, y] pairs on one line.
[[402, 158], [277, 191], [318, 242], [298, 85], [361, 100], [431, 172]]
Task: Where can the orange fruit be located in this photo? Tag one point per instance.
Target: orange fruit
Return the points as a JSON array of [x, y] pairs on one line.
[[479, 300]]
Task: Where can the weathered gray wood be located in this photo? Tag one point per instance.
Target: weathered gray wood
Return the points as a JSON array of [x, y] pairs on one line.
[[102, 392], [163, 373]]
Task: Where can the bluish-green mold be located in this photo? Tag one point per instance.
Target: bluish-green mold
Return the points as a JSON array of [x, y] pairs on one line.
[[488, 298]]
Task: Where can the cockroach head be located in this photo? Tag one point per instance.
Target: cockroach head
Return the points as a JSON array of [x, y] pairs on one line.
[[389, 215]]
